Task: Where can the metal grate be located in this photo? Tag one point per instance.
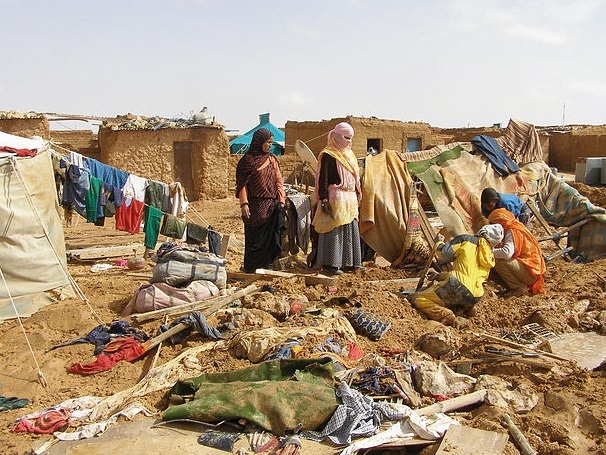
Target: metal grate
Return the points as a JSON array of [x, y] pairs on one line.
[[531, 334]]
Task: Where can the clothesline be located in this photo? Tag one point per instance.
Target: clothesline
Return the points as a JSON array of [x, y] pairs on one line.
[[187, 217]]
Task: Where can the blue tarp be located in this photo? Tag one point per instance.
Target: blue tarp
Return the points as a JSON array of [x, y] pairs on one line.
[[239, 145]]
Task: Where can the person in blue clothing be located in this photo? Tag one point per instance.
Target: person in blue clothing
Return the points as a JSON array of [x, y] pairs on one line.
[[491, 200]]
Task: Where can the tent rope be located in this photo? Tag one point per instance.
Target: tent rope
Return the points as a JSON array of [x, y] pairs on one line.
[[71, 280], [41, 377]]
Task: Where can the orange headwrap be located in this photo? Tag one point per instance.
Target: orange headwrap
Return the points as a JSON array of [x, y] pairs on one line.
[[526, 247]]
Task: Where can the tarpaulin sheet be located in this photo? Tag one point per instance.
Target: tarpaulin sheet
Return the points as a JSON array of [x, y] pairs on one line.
[[277, 395], [386, 188], [455, 187]]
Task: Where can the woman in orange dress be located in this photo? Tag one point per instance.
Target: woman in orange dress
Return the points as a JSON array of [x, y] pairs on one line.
[[519, 259]]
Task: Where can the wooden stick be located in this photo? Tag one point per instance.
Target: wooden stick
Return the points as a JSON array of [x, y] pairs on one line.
[[157, 355], [564, 231], [518, 437], [426, 268], [208, 306], [153, 342], [454, 403], [518, 359], [521, 346], [599, 276], [542, 221]]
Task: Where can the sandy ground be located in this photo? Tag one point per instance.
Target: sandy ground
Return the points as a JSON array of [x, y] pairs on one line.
[[569, 417]]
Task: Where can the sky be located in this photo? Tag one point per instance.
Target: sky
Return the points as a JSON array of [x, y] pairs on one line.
[[459, 63]]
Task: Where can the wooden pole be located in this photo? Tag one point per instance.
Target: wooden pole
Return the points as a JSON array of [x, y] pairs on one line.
[[518, 437], [454, 403]]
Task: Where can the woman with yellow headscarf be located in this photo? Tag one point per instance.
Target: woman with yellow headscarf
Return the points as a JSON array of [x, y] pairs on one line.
[[338, 193], [519, 259]]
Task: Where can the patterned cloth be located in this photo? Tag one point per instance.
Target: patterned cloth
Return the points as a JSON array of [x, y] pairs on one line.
[[367, 324], [258, 175], [358, 415], [562, 205]]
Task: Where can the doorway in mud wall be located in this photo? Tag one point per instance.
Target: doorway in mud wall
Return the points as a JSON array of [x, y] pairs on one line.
[[373, 146], [183, 166]]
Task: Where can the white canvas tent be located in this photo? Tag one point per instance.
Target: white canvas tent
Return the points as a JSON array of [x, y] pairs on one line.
[[32, 245]]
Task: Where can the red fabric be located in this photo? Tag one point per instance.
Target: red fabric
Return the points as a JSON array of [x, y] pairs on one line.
[[120, 349], [46, 423], [19, 152], [355, 353], [442, 397], [129, 216]]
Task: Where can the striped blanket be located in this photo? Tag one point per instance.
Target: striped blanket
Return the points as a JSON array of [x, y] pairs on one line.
[[562, 205]]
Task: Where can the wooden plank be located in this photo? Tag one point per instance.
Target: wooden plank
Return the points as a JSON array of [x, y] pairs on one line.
[[461, 440], [406, 442], [106, 252], [276, 273], [404, 282], [426, 227], [224, 245], [243, 276], [518, 359], [318, 278]]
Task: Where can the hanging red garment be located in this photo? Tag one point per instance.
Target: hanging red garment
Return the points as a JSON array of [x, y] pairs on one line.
[[129, 216], [119, 349]]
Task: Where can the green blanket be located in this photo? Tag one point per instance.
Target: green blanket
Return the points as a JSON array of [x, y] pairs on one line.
[[276, 395]]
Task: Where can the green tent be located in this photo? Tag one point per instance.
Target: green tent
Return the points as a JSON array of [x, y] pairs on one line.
[[239, 145]]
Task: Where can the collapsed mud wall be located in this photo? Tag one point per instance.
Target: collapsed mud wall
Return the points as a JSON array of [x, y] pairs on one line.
[[84, 142], [151, 154]]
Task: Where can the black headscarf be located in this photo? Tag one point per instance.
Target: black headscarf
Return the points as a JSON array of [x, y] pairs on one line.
[[259, 138], [253, 159]]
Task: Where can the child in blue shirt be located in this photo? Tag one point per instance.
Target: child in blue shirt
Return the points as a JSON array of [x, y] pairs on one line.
[[491, 200]]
